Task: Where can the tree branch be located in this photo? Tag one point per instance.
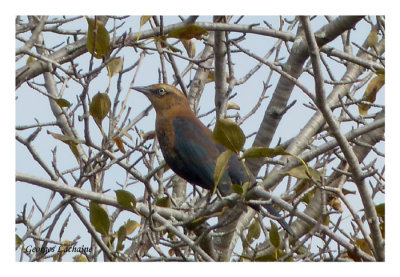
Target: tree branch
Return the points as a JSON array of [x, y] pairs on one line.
[[343, 143]]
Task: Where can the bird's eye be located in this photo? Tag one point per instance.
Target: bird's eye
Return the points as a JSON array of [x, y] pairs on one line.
[[162, 91]]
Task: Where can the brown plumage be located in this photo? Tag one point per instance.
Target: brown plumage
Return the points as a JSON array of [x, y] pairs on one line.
[[188, 146]]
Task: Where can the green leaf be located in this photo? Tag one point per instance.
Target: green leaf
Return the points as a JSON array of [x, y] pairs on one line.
[[266, 258], [263, 152], [114, 66], [99, 218], [220, 167], [189, 47], [18, 240], [274, 235], [63, 103], [121, 234], [237, 188], [380, 210], [99, 107], [303, 172], [98, 38], [126, 199], [271, 257], [164, 202], [254, 231], [229, 134], [188, 32]]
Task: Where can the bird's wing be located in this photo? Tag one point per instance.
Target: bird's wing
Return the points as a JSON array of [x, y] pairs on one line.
[[197, 152]]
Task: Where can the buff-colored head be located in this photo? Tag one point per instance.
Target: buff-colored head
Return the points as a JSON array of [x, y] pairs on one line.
[[164, 97]]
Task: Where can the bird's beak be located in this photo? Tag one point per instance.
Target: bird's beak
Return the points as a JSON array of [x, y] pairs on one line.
[[144, 90]]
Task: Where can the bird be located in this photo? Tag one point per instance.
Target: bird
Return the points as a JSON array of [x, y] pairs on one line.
[[188, 145]]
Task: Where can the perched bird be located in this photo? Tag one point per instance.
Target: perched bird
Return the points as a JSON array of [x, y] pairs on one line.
[[188, 146]]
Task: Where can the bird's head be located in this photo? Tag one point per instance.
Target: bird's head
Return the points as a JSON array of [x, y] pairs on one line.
[[163, 96]]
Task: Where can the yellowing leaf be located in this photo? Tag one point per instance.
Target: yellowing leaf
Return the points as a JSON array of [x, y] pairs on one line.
[[364, 246], [130, 226], [143, 20], [80, 258], [66, 139], [162, 43], [326, 220], [120, 144], [30, 60], [126, 199], [70, 141], [372, 39], [123, 231], [114, 66], [190, 47], [336, 205], [99, 218], [274, 235], [98, 38], [370, 93], [99, 107], [62, 250], [229, 134], [210, 77], [188, 32], [63, 103], [232, 106], [220, 167]]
